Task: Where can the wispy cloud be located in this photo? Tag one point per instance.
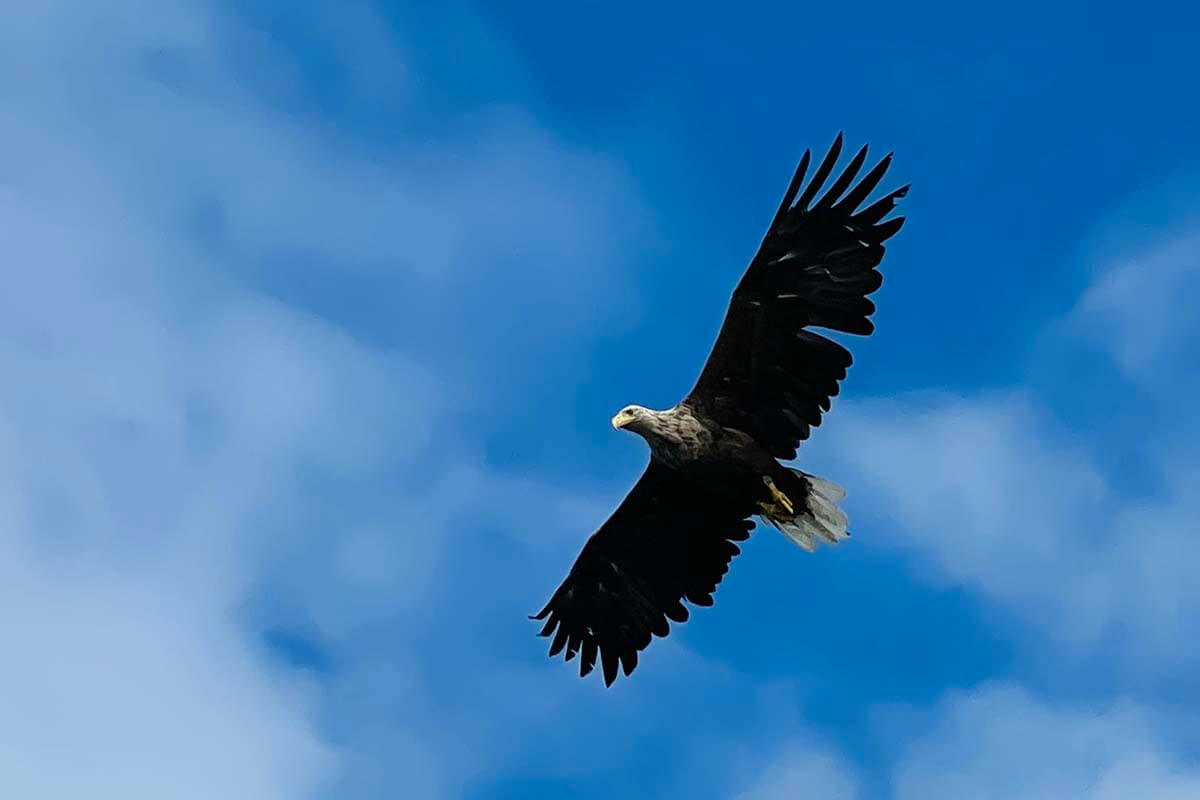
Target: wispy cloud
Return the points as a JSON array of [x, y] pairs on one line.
[[196, 452], [803, 771], [1135, 310], [999, 743], [995, 492]]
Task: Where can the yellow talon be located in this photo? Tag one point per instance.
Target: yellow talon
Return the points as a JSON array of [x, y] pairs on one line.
[[779, 496]]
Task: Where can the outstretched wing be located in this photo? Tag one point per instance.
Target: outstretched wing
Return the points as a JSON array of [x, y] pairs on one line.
[[670, 540], [767, 375]]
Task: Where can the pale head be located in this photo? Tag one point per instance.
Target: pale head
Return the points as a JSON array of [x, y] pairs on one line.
[[633, 418]]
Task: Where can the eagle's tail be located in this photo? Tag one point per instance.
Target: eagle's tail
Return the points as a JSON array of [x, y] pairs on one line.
[[805, 508]]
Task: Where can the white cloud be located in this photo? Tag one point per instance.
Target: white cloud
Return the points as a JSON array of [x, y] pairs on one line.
[[131, 683], [979, 487], [996, 494], [176, 443], [1138, 309], [998, 743], [801, 773], [147, 432]]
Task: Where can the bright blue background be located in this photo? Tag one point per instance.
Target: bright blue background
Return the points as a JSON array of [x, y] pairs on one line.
[[362, 285]]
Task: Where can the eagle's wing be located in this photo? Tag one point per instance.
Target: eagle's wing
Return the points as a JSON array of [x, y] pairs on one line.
[[670, 540], [767, 375]]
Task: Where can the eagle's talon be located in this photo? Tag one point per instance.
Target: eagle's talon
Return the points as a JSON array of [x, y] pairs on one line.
[[779, 496]]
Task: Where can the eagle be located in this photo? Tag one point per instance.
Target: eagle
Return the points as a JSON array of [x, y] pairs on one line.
[[715, 457]]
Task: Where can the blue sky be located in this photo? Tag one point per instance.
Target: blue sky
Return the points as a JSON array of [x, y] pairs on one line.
[[316, 315]]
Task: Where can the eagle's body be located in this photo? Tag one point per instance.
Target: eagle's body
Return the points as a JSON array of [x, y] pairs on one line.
[[705, 452], [715, 457]]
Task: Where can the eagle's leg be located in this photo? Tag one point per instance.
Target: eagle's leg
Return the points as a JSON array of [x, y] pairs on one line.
[[780, 498]]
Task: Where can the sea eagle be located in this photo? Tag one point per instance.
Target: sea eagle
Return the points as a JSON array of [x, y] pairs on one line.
[[714, 457]]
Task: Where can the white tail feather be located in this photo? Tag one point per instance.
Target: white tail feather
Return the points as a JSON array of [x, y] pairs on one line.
[[820, 519]]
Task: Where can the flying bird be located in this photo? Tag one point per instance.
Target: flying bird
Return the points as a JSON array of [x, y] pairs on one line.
[[715, 457]]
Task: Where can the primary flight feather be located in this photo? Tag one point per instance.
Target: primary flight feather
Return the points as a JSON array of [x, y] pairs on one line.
[[714, 457]]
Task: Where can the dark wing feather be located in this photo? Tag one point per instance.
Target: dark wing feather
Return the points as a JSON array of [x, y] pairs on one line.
[[670, 540], [767, 375]]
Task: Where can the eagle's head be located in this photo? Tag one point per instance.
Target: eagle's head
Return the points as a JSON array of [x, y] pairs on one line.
[[634, 418]]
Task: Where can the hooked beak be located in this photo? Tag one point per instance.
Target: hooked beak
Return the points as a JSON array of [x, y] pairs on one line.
[[620, 421]]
